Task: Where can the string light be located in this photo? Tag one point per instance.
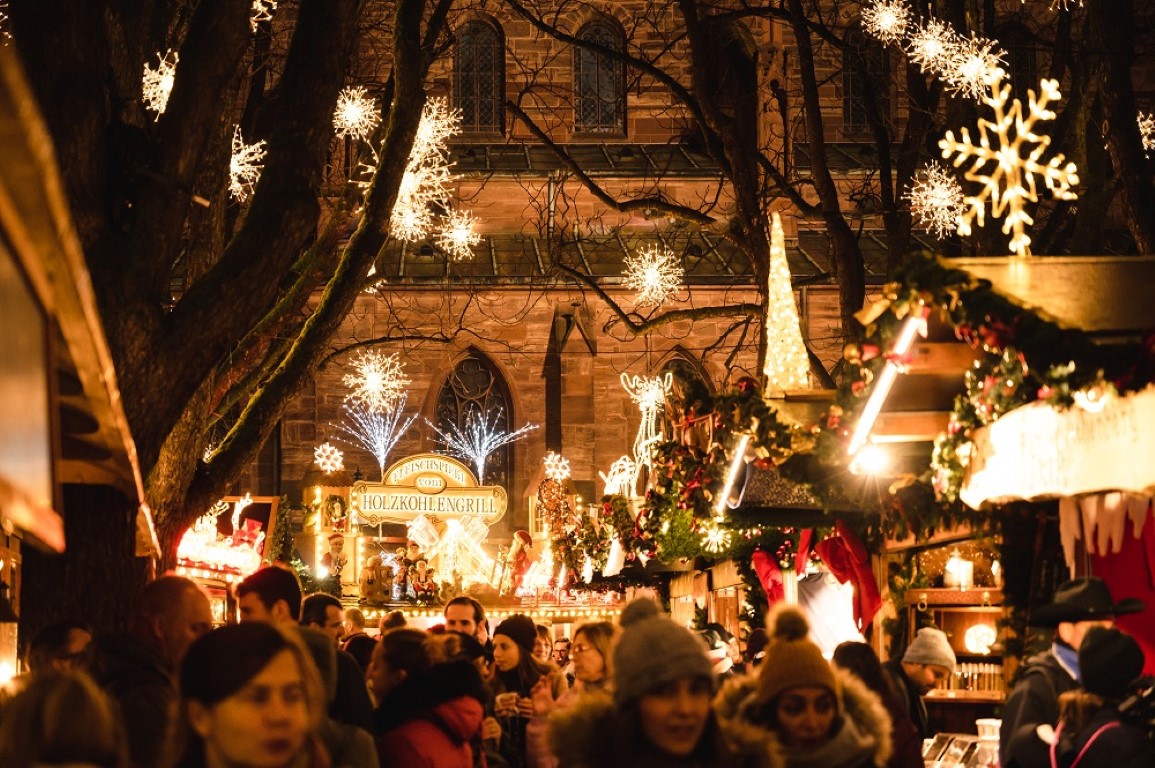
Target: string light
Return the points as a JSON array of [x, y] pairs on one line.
[[621, 478], [329, 458], [787, 365], [458, 236], [262, 11], [1147, 130], [1011, 180], [245, 166], [936, 200], [157, 83], [649, 394], [715, 539], [356, 114], [426, 181], [376, 431], [478, 438], [556, 467], [378, 381], [654, 272], [886, 20]]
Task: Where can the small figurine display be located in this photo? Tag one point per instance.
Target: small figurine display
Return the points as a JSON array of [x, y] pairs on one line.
[[424, 588], [337, 512], [335, 559], [376, 584]]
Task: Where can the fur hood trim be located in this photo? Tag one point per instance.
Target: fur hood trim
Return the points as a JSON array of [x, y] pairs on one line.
[[735, 706], [583, 735]]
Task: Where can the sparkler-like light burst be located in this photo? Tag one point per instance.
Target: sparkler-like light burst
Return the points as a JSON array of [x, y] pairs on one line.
[[378, 381], [1009, 172], [376, 431], [262, 11], [458, 236], [478, 438], [1147, 130], [157, 83], [932, 46], [936, 200], [654, 272], [329, 459], [715, 539], [245, 166], [427, 179], [356, 115], [972, 58], [886, 20], [556, 467]]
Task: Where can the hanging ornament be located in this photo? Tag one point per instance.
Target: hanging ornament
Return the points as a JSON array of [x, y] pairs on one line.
[[654, 272], [356, 114], [378, 382], [329, 459], [457, 235], [556, 467], [245, 166], [886, 20], [936, 200]]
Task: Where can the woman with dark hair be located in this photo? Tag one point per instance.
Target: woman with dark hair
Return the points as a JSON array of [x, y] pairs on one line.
[[518, 671], [61, 717], [660, 712], [430, 698], [250, 695], [860, 660]]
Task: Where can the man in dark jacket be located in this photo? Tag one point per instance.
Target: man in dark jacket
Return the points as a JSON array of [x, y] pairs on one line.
[[1034, 700], [928, 660], [138, 668]]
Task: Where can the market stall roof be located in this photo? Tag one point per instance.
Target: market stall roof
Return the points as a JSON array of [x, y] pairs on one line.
[[95, 446]]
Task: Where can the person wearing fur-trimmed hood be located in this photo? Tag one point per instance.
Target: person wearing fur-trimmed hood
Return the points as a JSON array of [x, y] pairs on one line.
[[660, 713], [817, 715]]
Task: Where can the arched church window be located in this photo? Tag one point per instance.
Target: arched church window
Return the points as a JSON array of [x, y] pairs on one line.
[[475, 393], [599, 81], [479, 77]]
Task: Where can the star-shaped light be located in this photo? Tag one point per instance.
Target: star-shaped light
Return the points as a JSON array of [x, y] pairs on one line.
[[329, 458], [378, 381], [157, 83], [654, 272], [245, 166], [457, 235], [936, 200], [356, 115], [556, 467], [426, 181], [886, 20], [1009, 173]]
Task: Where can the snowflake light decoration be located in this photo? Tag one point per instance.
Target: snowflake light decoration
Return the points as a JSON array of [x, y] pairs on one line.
[[715, 539], [439, 123], [936, 200], [379, 381], [654, 272], [157, 83], [262, 11], [932, 46], [886, 20], [1010, 180], [478, 438], [971, 59], [457, 235], [556, 467], [329, 459], [245, 166], [356, 115], [376, 431], [1147, 130]]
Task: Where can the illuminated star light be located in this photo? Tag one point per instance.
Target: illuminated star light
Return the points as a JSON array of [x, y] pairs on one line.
[[556, 467], [715, 539], [356, 114], [262, 11], [157, 83], [379, 381], [654, 272], [787, 365], [932, 46], [329, 459], [971, 59], [376, 431], [1147, 130], [936, 200], [886, 20], [1009, 171], [245, 166], [457, 235], [478, 438]]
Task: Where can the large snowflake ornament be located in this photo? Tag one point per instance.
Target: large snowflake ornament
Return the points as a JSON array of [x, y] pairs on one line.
[[932, 46], [556, 467], [157, 83], [378, 382], [971, 60], [1009, 173], [356, 115], [654, 272], [1147, 130], [245, 166], [886, 20], [262, 11], [329, 458], [457, 235], [936, 200], [715, 539]]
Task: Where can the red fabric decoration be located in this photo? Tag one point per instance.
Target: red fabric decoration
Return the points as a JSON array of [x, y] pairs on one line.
[[847, 558], [1131, 573], [769, 575], [805, 540]]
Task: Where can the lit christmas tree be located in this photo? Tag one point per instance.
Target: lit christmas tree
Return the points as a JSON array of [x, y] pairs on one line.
[[787, 366]]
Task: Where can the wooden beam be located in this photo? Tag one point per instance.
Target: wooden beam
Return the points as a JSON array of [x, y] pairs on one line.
[[909, 426], [940, 357]]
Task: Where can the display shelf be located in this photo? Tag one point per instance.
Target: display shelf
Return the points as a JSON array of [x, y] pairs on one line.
[[938, 597]]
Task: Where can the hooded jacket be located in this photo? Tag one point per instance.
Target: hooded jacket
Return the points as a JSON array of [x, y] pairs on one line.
[[431, 720], [861, 739], [592, 734]]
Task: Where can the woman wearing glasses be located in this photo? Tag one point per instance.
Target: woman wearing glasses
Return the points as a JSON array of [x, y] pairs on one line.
[[592, 665]]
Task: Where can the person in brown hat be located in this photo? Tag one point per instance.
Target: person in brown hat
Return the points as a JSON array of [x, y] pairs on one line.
[[1078, 606]]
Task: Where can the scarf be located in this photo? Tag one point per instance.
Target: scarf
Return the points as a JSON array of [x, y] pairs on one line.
[[1068, 658], [847, 747]]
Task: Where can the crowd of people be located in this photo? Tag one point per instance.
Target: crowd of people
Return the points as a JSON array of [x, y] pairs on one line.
[[300, 683]]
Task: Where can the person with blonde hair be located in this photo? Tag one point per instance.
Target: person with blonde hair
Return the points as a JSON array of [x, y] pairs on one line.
[[61, 717]]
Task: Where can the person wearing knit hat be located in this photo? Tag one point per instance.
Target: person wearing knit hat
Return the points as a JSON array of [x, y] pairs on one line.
[[660, 713], [518, 671], [928, 660], [813, 713]]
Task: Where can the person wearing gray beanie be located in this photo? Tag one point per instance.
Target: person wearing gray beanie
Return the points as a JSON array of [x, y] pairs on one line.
[[654, 650], [928, 661]]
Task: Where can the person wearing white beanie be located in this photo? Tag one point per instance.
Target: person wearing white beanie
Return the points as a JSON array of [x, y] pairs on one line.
[[928, 661]]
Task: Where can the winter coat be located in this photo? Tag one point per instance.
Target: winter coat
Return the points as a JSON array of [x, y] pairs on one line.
[[134, 674], [1034, 699], [862, 733], [432, 719], [594, 734], [513, 747], [906, 744], [908, 697], [1119, 746]]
